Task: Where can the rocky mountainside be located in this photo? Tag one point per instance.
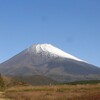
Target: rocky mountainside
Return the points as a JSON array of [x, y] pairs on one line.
[[47, 60]]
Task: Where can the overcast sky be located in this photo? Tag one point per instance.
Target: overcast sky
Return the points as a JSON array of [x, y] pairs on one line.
[[71, 25]]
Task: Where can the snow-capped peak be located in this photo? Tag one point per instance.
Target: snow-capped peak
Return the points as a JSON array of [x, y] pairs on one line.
[[48, 48]]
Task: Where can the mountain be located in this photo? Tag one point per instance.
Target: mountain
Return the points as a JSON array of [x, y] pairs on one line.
[[49, 61]]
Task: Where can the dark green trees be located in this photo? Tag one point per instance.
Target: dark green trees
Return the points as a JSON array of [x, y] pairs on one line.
[[2, 85]]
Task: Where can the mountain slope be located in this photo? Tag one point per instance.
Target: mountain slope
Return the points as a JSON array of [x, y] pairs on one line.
[[47, 60], [36, 80]]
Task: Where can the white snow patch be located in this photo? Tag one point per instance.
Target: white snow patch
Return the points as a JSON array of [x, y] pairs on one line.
[[48, 48]]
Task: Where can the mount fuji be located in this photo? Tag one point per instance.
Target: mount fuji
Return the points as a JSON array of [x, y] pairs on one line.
[[49, 61]]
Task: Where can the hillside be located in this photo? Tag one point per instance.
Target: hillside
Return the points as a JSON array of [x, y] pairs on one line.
[[35, 80]]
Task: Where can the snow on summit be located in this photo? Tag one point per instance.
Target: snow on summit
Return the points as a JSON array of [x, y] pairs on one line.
[[48, 48]]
